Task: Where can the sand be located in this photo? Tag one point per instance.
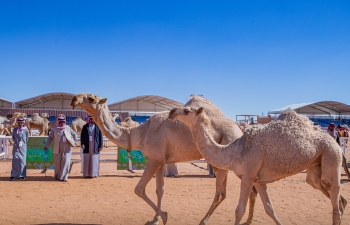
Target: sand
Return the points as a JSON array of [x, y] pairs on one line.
[[110, 198]]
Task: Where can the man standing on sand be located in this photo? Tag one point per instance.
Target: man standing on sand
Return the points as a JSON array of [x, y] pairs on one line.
[[19, 153], [92, 143], [64, 139]]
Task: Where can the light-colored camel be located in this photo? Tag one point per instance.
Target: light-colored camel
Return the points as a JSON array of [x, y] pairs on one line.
[[269, 153], [3, 119], [162, 141], [4, 130], [115, 116], [128, 122], [77, 124], [7, 124], [38, 122]]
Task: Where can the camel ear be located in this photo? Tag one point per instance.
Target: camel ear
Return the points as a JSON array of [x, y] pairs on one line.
[[91, 98], [104, 100], [200, 110]]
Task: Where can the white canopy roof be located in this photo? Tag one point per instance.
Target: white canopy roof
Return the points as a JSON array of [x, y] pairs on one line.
[[145, 103], [318, 108], [57, 100]]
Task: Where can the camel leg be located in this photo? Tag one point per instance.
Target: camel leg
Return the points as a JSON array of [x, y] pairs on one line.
[[265, 198], [252, 199], [330, 179], [313, 178], [220, 194], [246, 188], [140, 189], [160, 192]]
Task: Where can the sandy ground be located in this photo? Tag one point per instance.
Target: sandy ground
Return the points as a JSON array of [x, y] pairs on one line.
[[110, 199]]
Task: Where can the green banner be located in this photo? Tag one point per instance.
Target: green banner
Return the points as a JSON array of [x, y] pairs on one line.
[[37, 157], [138, 161]]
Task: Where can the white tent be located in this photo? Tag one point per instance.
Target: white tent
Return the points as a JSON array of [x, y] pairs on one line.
[[317, 108]]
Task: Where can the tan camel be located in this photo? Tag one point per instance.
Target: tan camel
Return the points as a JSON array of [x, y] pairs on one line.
[[7, 124], [77, 124], [269, 153], [38, 122], [3, 119], [128, 122], [162, 141], [115, 116]]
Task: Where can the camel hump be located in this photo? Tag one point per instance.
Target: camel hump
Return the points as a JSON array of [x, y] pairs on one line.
[[157, 119]]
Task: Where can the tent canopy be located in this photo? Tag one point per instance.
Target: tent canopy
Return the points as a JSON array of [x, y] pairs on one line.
[[145, 103], [5, 103], [57, 100], [317, 108]]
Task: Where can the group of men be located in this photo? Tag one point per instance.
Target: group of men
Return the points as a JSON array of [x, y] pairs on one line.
[[64, 139]]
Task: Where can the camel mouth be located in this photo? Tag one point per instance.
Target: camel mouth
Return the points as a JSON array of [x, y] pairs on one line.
[[73, 105]]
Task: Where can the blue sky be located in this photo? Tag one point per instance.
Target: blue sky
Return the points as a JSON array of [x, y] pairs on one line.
[[248, 57]]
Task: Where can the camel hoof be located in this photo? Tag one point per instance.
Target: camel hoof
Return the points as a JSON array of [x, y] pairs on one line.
[[202, 223], [155, 221], [164, 216]]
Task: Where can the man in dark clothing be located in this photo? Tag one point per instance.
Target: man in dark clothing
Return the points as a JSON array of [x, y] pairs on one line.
[[91, 140]]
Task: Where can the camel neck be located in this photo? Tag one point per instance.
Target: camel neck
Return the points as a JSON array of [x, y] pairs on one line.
[[124, 137], [220, 156]]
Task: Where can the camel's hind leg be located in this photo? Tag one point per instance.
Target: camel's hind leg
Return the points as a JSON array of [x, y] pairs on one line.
[[330, 179], [313, 178], [140, 189], [265, 198]]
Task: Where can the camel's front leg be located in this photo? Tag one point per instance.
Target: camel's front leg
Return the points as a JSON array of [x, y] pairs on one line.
[[220, 194], [265, 198], [140, 189], [246, 188], [160, 192]]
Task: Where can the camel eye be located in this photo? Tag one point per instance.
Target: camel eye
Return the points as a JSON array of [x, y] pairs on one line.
[[186, 111], [91, 99]]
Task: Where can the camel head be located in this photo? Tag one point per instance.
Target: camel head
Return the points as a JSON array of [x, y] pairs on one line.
[[89, 102], [188, 116], [45, 115]]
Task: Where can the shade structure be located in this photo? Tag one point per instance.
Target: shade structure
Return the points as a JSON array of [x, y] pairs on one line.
[[317, 108], [56, 100], [145, 104]]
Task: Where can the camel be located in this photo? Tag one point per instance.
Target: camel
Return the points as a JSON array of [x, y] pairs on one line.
[[77, 124], [7, 125], [162, 141], [115, 116], [38, 122], [129, 122], [269, 153], [3, 119]]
